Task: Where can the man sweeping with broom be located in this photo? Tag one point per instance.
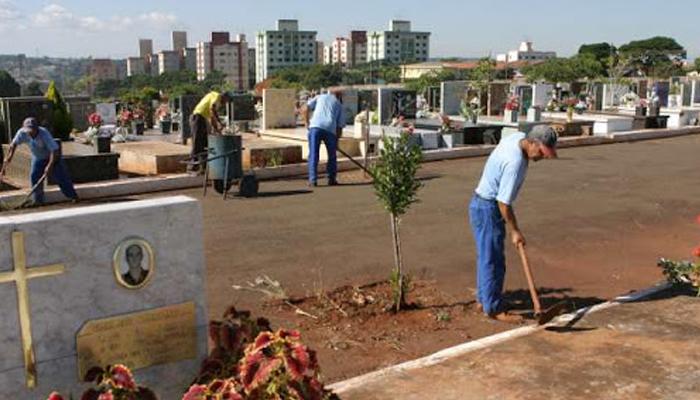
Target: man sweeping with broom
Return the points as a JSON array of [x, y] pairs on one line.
[[491, 209], [46, 160]]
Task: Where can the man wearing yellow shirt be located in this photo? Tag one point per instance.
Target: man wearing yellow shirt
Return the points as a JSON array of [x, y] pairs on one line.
[[204, 119]]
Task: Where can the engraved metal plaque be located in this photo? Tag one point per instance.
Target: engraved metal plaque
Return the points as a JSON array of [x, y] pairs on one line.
[[139, 340]]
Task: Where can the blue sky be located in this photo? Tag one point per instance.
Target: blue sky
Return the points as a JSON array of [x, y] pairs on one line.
[[464, 28]]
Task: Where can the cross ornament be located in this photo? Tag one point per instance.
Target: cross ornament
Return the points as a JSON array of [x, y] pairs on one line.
[[20, 276]]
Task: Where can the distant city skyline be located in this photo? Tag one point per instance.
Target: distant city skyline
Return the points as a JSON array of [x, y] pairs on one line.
[[466, 29]]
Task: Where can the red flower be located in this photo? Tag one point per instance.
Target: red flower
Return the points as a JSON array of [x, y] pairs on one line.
[[696, 252], [122, 377], [106, 396], [55, 396], [697, 219], [196, 392]]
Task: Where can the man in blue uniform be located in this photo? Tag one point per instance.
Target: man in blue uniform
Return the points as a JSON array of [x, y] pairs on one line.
[[45, 159], [325, 126], [491, 210]]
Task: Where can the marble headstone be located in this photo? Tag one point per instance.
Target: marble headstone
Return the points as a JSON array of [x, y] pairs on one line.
[[87, 247], [108, 112], [278, 109], [452, 93]]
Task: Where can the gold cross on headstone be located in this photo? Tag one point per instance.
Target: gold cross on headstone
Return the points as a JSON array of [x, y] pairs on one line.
[[20, 275]]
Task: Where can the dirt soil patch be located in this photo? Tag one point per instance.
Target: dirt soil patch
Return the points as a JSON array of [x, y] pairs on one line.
[[355, 331]]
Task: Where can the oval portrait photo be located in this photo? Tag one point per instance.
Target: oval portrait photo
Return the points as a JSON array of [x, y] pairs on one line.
[[134, 263]]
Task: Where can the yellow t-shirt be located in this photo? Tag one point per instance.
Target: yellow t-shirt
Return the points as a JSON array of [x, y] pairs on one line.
[[205, 105]]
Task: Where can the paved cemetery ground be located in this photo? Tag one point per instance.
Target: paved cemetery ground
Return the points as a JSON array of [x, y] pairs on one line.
[[641, 350], [596, 221]]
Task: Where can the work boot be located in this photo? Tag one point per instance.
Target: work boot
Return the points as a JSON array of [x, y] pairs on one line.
[[312, 184], [332, 182]]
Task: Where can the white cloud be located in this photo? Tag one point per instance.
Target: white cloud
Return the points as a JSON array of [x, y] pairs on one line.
[[57, 16], [9, 13]]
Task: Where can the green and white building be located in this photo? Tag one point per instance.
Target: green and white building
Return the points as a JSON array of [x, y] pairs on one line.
[[398, 44], [284, 47]]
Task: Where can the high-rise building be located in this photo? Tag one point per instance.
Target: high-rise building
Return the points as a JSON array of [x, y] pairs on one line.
[[251, 68], [358, 48], [339, 52], [103, 69], [135, 66], [189, 59], [284, 47], [179, 40], [225, 56], [327, 55], [145, 47], [320, 55], [169, 61], [398, 44]]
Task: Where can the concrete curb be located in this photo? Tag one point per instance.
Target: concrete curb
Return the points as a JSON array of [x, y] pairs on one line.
[[185, 181], [486, 342]]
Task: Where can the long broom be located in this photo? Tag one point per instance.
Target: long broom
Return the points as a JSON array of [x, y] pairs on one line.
[[9, 205]]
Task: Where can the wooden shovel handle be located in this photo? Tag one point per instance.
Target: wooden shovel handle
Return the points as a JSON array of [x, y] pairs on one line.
[[530, 281]]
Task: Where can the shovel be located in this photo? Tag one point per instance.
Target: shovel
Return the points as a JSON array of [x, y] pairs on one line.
[[550, 313]]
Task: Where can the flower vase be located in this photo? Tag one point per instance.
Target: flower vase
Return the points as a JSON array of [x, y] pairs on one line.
[[569, 114]]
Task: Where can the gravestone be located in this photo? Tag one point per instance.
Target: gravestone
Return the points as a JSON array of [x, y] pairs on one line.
[[368, 99], [662, 90], [542, 92], [278, 109], [108, 112], [395, 102], [69, 301], [451, 95], [242, 108], [185, 106], [497, 97], [350, 105], [80, 108], [13, 111]]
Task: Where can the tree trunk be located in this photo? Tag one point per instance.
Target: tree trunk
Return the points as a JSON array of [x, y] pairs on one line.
[[398, 262]]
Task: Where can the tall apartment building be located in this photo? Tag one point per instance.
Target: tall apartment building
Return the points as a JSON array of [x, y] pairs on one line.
[[135, 66], [339, 52], [398, 44], [189, 59], [358, 48], [284, 47], [169, 61], [225, 56], [251, 68], [179, 40], [145, 47], [103, 69], [320, 53]]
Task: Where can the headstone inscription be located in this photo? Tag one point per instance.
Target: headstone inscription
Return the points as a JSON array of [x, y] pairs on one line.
[[102, 285]]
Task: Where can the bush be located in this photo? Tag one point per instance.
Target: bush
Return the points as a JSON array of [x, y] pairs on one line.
[[60, 119]]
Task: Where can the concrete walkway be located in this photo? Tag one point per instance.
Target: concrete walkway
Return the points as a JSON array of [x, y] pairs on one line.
[[646, 349]]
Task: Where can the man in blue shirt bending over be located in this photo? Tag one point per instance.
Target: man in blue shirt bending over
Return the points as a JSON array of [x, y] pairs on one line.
[[491, 209], [45, 159], [326, 125]]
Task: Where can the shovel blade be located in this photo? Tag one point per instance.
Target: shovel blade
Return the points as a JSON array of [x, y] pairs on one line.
[[551, 313]]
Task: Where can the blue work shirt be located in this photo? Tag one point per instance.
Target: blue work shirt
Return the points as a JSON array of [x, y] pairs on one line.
[[41, 146], [328, 113], [505, 171]]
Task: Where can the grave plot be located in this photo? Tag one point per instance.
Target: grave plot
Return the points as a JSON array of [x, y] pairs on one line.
[[101, 285]]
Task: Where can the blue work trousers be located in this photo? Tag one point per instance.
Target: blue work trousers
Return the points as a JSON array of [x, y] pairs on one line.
[[316, 136], [489, 232], [58, 173]]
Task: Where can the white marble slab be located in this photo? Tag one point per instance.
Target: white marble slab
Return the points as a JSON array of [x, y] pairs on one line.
[[84, 240]]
